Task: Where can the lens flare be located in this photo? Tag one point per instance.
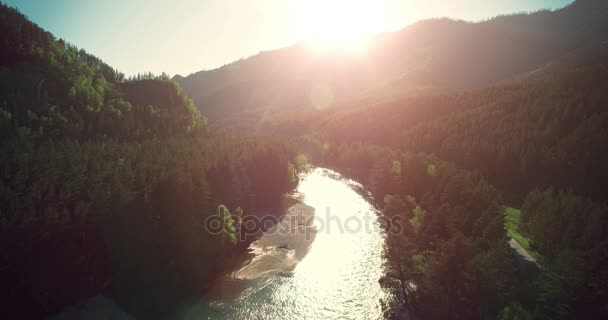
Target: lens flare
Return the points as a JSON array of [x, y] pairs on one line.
[[339, 24]]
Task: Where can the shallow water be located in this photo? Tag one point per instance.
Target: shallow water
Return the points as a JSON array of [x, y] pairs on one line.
[[337, 279]]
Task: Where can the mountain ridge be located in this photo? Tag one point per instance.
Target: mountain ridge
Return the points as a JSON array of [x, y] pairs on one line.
[[437, 53]]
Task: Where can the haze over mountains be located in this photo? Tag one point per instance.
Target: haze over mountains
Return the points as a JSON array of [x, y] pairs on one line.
[[519, 99], [472, 134], [433, 54]]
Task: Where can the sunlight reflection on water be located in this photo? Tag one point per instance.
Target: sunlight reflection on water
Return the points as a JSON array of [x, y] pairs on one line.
[[338, 278]]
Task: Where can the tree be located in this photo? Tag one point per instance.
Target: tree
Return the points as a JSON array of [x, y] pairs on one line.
[[239, 216], [227, 222], [401, 247]]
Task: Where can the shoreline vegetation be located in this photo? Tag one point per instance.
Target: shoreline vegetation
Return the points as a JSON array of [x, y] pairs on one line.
[[283, 246], [278, 250], [512, 225], [107, 182]]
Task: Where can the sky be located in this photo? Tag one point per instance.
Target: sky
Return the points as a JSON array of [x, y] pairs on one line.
[[186, 36]]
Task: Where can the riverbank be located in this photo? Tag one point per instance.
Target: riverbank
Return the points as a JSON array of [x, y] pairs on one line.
[[301, 262], [283, 246]]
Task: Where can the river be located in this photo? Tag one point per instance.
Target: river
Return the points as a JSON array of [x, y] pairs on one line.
[[336, 279]]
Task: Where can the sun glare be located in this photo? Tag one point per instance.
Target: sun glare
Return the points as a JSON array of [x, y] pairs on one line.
[[339, 24]]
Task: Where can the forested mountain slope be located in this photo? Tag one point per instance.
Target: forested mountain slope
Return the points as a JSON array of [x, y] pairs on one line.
[[546, 129], [541, 140], [52, 89], [106, 182], [538, 135], [439, 54]]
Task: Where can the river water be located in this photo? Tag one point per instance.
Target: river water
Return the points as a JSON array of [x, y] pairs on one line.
[[337, 279]]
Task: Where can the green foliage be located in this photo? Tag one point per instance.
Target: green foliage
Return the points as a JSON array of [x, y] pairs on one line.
[[292, 173], [553, 220], [147, 201], [512, 224], [116, 178], [542, 129], [570, 232], [56, 91], [549, 128], [515, 311], [540, 139], [238, 214], [396, 171], [227, 222], [301, 162], [416, 220], [452, 244]]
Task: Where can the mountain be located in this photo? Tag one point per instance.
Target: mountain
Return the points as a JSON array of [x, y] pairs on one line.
[[52, 89], [543, 129], [439, 54], [106, 182], [517, 101]]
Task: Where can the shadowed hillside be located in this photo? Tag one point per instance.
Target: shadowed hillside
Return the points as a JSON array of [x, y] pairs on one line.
[[439, 54], [106, 182], [471, 139]]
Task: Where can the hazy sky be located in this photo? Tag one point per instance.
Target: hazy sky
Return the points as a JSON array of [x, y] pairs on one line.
[[185, 36]]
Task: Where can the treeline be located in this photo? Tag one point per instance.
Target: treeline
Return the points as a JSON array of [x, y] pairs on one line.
[[544, 132], [127, 219], [106, 183], [447, 247], [436, 54], [51, 89], [547, 130], [571, 233], [449, 251]]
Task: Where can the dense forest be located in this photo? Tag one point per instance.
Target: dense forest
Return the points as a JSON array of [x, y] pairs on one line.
[[451, 144], [542, 131], [106, 181], [455, 242], [541, 141]]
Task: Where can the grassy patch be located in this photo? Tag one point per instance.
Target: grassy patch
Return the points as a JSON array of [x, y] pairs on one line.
[[512, 220]]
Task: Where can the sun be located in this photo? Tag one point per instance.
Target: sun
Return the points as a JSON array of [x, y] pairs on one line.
[[339, 24]]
